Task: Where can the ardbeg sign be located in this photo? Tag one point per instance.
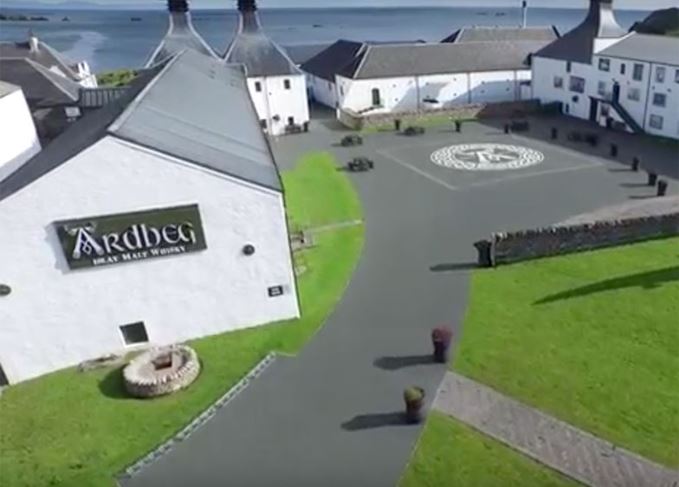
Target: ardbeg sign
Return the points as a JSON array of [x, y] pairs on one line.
[[117, 239]]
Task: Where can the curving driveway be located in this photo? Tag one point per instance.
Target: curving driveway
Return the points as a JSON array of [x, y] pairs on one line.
[[329, 417]]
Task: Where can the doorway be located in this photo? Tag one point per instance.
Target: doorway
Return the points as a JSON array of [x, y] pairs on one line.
[[593, 110]]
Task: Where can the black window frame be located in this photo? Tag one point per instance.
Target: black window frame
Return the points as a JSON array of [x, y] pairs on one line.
[[577, 84], [604, 64], [660, 74], [134, 333], [376, 97], [286, 84], [623, 68], [638, 72], [558, 82], [258, 86], [659, 96], [652, 117]]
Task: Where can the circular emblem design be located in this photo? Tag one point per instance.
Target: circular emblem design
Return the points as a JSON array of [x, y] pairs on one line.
[[487, 157]]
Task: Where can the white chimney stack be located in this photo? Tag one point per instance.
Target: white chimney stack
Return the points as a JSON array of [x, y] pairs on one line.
[[33, 42]]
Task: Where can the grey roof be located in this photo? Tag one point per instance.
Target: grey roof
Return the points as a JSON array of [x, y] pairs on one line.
[[180, 35], [213, 124], [42, 87], [384, 61], [260, 55], [333, 60], [300, 54], [577, 45], [43, 55], [646, 47], [7, 88], [99, 97], [501, 34]]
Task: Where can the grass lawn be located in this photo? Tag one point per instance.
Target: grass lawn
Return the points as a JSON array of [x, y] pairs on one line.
[[78, 429], [318, 194], [121, 77], [450, 453], [591, 338]]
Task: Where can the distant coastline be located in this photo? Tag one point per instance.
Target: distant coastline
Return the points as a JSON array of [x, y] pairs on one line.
[[23, 18]]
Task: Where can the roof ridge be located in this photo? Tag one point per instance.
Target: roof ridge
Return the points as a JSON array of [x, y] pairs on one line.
[[48, 75]]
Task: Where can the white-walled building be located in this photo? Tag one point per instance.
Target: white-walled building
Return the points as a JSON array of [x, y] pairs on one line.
[[43, 54], [277, 86], [395, 78], [180, 35], [158, 219], [18, 138], [472, 65], [601, 73]]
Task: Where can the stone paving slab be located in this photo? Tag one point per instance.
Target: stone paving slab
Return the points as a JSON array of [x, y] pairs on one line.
[[571, 451]]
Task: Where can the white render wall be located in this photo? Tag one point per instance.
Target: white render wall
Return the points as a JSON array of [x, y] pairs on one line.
[[56, 317], [544, 71], [274, 101], [18, 138], [322, 91], [408, 93]]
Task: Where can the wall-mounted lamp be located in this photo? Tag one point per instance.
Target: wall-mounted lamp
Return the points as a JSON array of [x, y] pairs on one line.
[[249, 250], [5, 290]]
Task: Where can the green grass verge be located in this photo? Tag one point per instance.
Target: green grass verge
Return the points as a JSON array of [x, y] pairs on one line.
[[592, 338], [78, 429], [319, 194], [120, 77], [450, 453], [420, 120]]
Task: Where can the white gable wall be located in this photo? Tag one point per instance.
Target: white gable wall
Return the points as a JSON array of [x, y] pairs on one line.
[[408, 93], [322, 91], [545, 71], [276, 104], [18, 138], [56, 317]]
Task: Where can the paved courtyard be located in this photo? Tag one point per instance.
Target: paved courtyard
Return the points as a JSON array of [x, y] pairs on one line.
[[331, 416]]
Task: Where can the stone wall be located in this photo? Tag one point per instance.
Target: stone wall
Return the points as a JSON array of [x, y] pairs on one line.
[[506, 248], [358, 121]]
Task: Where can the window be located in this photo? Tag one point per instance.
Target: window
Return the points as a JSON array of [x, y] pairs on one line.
[[656, 122], [623, 68], [291, 120], [262, 123], [660, 74], [569, 66], [3, 378], [258, 86], [601, 88], [659, 99], [638, 73], [286, 84], [577, 84], [634, 94], [377, 100], [676, 76], [134, 333], [558, 82], [604, 64]]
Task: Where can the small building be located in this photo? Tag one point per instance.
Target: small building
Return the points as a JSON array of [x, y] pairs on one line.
[[180, 35], [43, 54], [277, 86], [18, 138], [156, 219], [600, 72]]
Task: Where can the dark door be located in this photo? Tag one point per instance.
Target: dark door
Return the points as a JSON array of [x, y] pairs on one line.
[[593, 109], [616, 92]]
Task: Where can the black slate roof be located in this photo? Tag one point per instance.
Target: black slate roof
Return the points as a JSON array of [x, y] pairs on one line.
[[336, 59], [158, 112], [41, 87], [645, 47], [385, 61], [503, 34], [299, 54], [578, 44], [259, 54]]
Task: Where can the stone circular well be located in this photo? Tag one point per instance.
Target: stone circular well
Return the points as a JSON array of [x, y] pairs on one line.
[[487, 157], [161, 371]]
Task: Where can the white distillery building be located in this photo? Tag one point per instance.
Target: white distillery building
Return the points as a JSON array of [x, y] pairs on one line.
[[601, 73], [472, 65], [277, 86], [180, 35], [157, 219], [18, 137]]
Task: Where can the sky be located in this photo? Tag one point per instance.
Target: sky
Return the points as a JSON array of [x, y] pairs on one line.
[[621, 4]]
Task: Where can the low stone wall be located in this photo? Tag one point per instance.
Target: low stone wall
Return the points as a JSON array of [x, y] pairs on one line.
[[143, 380], [357, 121], [506, 248]]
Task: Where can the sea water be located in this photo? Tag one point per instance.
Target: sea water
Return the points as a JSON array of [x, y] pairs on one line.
[[112, 39]]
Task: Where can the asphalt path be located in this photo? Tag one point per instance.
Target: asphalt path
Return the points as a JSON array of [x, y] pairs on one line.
[[331, 416]]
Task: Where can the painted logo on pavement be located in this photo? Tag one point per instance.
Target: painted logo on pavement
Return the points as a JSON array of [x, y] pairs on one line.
[[487, 157]]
